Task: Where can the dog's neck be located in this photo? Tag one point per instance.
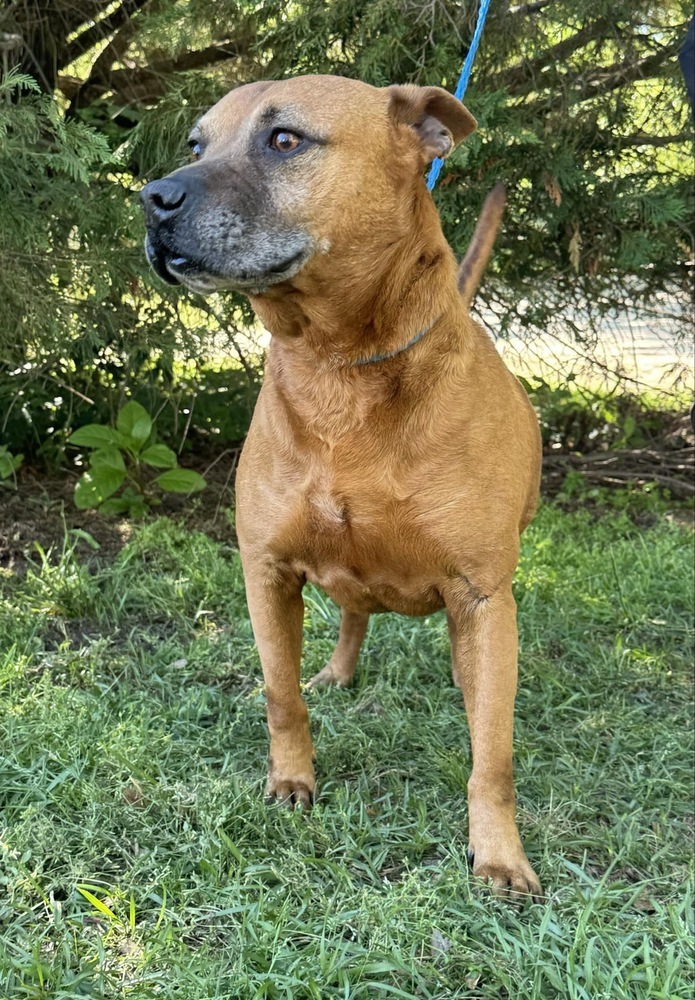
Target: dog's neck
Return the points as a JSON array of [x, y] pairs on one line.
[[379, 297]]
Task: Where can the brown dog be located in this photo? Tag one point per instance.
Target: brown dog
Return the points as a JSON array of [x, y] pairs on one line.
[[392, 458]]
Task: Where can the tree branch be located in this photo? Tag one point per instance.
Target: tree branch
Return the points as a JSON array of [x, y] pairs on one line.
[[627, 72], [529, 8], [87, 39], [606, 79], [527, 70], [147, 82], [45, 27], [639, 139], [111, 53]]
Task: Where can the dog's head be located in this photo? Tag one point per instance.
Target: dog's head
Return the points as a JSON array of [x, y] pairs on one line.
[[284, 173]]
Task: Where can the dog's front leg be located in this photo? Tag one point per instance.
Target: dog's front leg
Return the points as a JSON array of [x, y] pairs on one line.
[[485, 651], [276, 607]]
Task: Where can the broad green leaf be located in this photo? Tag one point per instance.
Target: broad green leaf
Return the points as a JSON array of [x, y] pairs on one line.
[[130, 502], [181, 481], [138, 508], [134, 421], [86, 492], [141, 434], [8, 462], [94, 436], [107, 458], [159, 456], [115, 505], [96, 485], [108, 480]]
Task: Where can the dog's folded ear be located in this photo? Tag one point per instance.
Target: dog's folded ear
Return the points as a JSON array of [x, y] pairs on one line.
[[439, 120]]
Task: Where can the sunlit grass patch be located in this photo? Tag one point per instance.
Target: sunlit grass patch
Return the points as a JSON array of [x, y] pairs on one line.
[[137, 858]]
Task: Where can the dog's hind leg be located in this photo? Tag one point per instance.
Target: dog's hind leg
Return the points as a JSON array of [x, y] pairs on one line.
[[340, 669], [453, 639]]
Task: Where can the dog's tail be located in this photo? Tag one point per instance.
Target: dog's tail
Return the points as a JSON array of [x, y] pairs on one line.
[[473, 264]]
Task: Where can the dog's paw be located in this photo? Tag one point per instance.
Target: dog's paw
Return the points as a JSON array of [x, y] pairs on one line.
[[290, 792], [329, 676], [512, 879]]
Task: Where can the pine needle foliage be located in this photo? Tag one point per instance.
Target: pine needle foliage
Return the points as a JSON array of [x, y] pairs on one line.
[[582, 113]]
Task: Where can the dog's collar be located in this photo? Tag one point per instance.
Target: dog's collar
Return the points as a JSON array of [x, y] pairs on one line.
[[399, 350]]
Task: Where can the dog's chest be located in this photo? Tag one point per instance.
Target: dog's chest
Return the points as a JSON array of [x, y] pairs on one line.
[[360, 546]]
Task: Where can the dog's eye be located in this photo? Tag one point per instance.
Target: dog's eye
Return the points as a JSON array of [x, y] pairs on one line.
[[195, 149], [284, 141]]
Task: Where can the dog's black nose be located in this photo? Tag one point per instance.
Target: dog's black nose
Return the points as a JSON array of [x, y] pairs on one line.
[[163, 199]]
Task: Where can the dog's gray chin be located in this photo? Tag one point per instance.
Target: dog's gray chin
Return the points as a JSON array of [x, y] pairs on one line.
[[206, 283], [200, 283]]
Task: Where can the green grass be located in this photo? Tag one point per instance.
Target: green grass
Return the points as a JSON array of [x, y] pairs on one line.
[[137, 858]]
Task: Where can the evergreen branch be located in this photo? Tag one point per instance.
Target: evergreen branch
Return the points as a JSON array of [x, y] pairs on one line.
[[149, 81], [118, 45], [8, 43], [193, 59], [525, 72], [607, 79], [640, 139], [45, 28], [59, 17], [87, 39], [529, 8], [619, 73], [111, 53], [224, 328]]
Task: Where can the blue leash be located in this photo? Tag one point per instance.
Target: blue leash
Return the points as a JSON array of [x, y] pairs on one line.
[[463, 82]]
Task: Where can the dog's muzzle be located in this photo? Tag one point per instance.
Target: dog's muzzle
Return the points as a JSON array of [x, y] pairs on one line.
[[208, 247]]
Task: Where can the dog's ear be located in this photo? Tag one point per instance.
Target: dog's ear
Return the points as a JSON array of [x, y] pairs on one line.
[[439, 120]]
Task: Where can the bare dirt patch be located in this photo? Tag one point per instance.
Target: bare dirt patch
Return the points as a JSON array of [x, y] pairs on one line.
[[41, 511]]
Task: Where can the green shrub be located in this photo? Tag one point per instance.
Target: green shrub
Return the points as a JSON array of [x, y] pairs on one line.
[[122, 456], [577, 419], [9, 463]]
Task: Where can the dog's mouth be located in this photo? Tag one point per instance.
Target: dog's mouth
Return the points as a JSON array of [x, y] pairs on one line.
[[176, 269]]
